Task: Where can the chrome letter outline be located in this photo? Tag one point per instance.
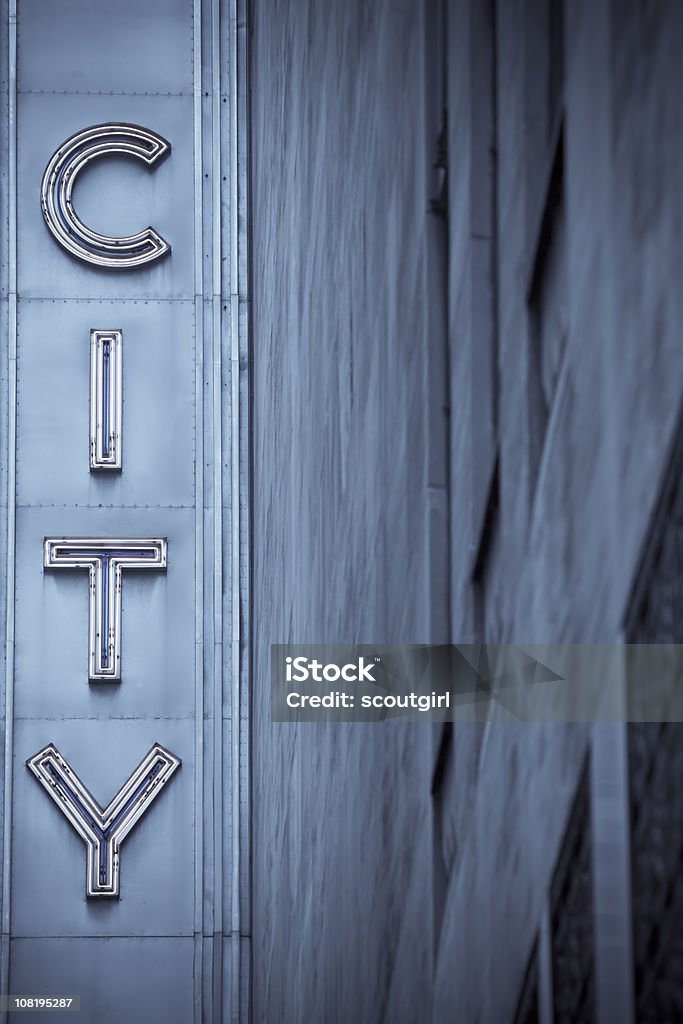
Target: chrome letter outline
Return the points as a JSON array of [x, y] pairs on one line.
[[103, 830], [57, 188], [106, 399], [105, 559]]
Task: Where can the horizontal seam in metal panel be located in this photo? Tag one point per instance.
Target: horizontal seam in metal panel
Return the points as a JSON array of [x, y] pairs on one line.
[[104, 718], [86, 302], [98, 505], [95, 92], [74, 300], [105, 938]]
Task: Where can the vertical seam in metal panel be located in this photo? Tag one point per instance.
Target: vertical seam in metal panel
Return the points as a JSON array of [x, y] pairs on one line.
[[235, 711], [11, 492], [199, 521], [243, 651], [217, 509]]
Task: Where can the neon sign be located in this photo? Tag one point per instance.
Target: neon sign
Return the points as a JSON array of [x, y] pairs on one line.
[[104, 558]]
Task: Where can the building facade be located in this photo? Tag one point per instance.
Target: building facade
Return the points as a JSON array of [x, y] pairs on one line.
[[123, 425], [450, 413], [466, 228]]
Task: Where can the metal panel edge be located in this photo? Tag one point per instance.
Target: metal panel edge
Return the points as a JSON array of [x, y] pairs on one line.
[[198, 971], [214, 14], [242, 612], [11, 487]]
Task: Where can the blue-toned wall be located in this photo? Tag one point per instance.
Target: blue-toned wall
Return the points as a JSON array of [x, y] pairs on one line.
[[171, 947], [356, 523]]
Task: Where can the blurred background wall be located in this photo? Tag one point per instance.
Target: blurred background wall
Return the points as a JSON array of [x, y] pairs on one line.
[[466, 250]]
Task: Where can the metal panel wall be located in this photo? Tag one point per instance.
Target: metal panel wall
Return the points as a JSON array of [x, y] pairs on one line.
[[174, 945]]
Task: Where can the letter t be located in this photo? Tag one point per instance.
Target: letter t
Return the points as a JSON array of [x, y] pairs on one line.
[[105, 560]]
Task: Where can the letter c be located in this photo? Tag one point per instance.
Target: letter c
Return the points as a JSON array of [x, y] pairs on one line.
[[57, 188]]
